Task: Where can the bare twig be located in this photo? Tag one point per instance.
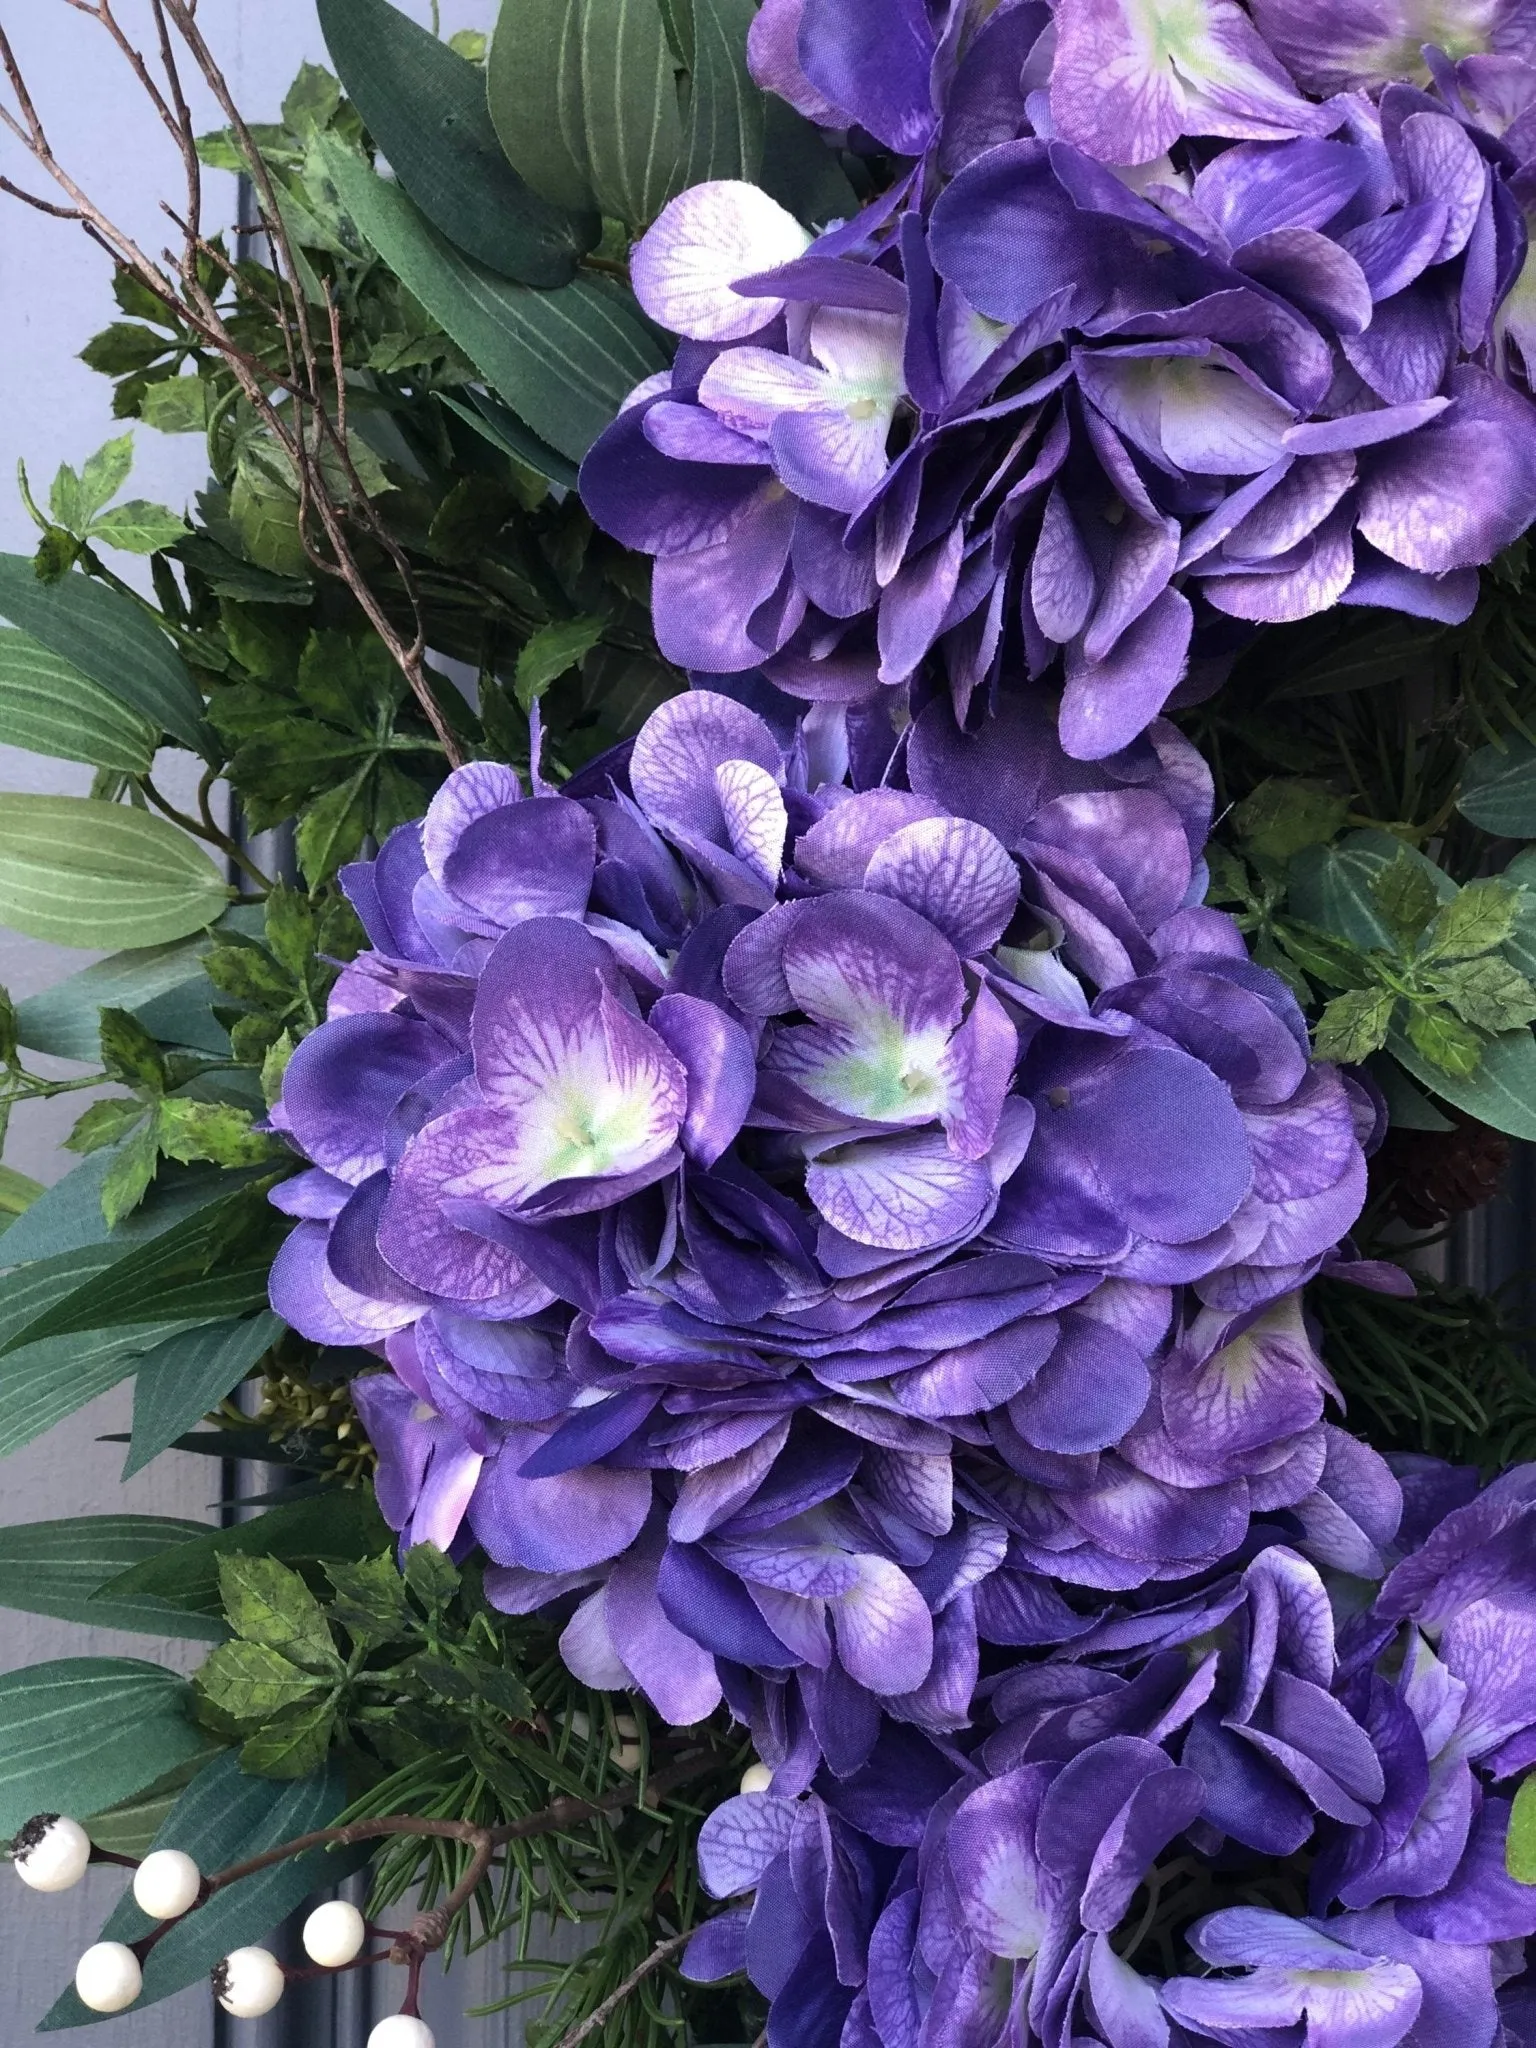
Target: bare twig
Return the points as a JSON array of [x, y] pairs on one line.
[[610, 2005], [293, 409]]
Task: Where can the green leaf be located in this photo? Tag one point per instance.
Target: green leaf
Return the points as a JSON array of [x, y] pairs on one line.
[[179, 1381], [1281, 817], [370, 1601], [334, 1524], [104, 1123], [293, 1745], [1479, 918], [563, 360], [139, 528], [425, 107], [250, 1683], [49, 707], [130, 1056], [85, 1732], [1520, 1842], [634, 125], [42, 1382], [552, 650], [1443, 1040], [312, 100], [83, 873], [215, 1131], [332, 830], [265, 1602], [176, 405], [1404, 896], [18, 1191], [800, 169], [66, 1222], [533, 83], [57, 1568], [104, 476], [1355, 1025], [725, 117], [1498, 790], [123, 349], [498, 424], [129, 1828], [1488, 993], [432, 1576], [128, 1177], [109, 639], [1330, 886], [225, 1817], [63, 1019]]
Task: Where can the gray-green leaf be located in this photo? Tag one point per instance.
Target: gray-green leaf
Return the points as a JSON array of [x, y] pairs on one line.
[[57, 1568], [1498, 790], [177, 1383], [49, 707], [1355, 1025]]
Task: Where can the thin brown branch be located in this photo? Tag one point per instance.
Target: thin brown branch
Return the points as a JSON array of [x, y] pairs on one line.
[[602, 2014], [42, 205]]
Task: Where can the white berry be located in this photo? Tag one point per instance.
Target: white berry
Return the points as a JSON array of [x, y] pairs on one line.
[[334, 1934], [401, 2031], [108, 1977], [52, 1853], [248, 1983], [166, 1884], [756, 1778]]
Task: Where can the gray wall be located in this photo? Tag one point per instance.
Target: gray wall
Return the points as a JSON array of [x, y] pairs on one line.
[[54, 287]]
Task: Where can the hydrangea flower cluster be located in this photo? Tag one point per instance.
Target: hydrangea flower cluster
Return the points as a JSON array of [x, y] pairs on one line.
[[814, 1190], [1067, 1874], [1145, 343]]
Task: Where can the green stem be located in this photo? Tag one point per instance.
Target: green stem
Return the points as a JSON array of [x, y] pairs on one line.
[[210, 832]]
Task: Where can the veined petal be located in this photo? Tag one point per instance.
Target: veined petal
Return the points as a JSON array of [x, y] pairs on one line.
[[702, 242]]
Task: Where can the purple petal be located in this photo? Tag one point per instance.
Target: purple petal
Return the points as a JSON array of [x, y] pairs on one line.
[[1458, 490], [872, 59], [674, 1673], [345, 1080], [533, 859], [1004, 1892], [1107, 703], [561, 1524], [955, 873], [716, 1055], [884, 1630]]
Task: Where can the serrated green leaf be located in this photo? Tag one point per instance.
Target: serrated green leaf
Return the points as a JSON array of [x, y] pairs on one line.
[[130, 1056], [332, 830], [225, 1817], [1439, 1035], [370, 1601], [251, 1683], [1488, 993], [215, 1131], [1330, 887], [82, 873], [124, 349], [176, 405], [1498, 789], [109, 639], [533, 83], [139, 528], [105, 1123], [178, 1382], [431, 1576], [66, 1236], [425, 107], [58, 1568], [49, 707], [1334, 962], [1355, 1025], [725, 115], [1282, 816], [1479, 918], [311, 100], [103, 477], [268, 1603], [84, 1732], [292, 1746], [128, 1177], [563, 360], [552, 650], [1404, 897], [334, 1524]]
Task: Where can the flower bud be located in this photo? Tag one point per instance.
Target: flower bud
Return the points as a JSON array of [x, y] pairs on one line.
[[52, 1853], [248, 1983], [108, 1977], [756, 1778], [400, 2030], [334, 1934], [166, 1884]]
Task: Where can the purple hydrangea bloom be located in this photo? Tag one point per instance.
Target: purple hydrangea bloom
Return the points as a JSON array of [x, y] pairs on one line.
[[1033, 414], [813, 1186], [1002, 1887]]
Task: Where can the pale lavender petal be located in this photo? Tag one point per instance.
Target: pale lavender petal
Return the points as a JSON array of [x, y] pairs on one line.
[[955, 873], [469, 793], [741, 1838], [884, 1630], [674, 1673], [716, 1055], [709, 236], [1458, 490], [561, 1524]]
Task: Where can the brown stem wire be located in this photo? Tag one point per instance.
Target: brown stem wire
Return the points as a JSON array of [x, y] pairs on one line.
[[601, 2015]]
